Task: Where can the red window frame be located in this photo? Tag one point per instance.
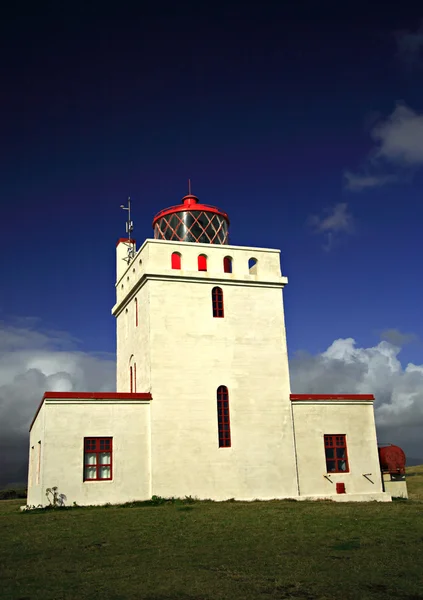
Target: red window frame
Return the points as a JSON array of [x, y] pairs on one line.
[[336, 453], [227, 264], [98, 446], [223, 418], [217, 303], [130, 380], [202, 262], [176, 260], [136, 312]]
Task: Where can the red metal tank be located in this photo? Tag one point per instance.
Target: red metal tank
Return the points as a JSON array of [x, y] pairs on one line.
[[392, 459], [192, 221]]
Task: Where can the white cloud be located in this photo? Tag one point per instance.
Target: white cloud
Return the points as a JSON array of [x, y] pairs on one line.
[[360, 181], [399, 138], [336, 220], [410, 47], [344, 367], [32, 362], [397, 153]]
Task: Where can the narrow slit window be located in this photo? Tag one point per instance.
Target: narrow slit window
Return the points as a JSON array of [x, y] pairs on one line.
[[202, 262], [130, 380], [336, 454], [252, 266], [135, 378], [176, 260], [98, 459], [217, 302], [223, 421], [136, 312], [227, 264]]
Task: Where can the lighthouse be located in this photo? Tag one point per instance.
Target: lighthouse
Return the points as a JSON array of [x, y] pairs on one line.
[[202, 406], [200, 326]]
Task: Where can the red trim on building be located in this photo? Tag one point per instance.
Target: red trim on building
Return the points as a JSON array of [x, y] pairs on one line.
[[190, 203], [97, 396], [356, 397], [90, 396], [125, 240]]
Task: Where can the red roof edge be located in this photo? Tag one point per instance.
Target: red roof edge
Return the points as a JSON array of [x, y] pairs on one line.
[[357, 397], [125, 240], [90, 396]]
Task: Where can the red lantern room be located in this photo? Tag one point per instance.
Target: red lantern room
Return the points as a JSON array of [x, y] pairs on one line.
[[192, 221]]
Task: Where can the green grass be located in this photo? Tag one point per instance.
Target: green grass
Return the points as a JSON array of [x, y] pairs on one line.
[[262, 550]]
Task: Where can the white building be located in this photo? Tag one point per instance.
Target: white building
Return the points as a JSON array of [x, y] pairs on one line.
[[203, 406]]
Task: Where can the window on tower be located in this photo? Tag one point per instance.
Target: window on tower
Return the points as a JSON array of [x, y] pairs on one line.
[[223, 422], [217, 302], [227, 264], [252, 266], [176, 260], [131, 383], [136, 312], [336, 453], [202, 262], [97, 458]]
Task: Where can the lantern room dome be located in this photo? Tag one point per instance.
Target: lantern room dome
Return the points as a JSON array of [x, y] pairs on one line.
[[192, 221]]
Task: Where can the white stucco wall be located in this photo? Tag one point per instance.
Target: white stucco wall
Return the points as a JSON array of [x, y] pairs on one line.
[[190, 354], [314, 419], [66, 423], [36, 490]]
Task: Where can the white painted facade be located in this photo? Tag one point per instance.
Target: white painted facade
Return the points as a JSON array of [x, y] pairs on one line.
[[170, 346]]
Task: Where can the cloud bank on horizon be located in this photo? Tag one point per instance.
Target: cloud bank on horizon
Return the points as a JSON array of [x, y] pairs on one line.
[[32, 362]]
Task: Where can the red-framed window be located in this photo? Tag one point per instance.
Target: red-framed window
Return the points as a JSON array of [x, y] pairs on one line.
[[136, 312], [217, 302], [223, 421], [176, 260], [131, 382], [202, 262], [227, 264], [135, 378], [336, 453], [98, 458]]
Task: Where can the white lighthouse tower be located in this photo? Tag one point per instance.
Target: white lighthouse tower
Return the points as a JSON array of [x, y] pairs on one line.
[[203, 405], [200, 326]]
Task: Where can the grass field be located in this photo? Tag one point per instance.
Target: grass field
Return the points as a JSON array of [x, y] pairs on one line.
[[261, 550]]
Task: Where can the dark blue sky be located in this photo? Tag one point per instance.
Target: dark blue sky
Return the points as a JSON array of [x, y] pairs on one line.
[[265, 113]]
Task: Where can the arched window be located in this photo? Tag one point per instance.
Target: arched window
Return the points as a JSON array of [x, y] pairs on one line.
[[176, 260], [131, 383], [202, 262], [227, 264], [252, 266], [217, 302], [223, 422], [136, 312]]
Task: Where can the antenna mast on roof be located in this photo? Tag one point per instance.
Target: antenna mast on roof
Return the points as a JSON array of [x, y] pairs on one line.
[[129, 230], [189, 187]]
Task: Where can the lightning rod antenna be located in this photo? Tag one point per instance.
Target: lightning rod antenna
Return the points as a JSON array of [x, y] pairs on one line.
[[189, 187], [129, 230]]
